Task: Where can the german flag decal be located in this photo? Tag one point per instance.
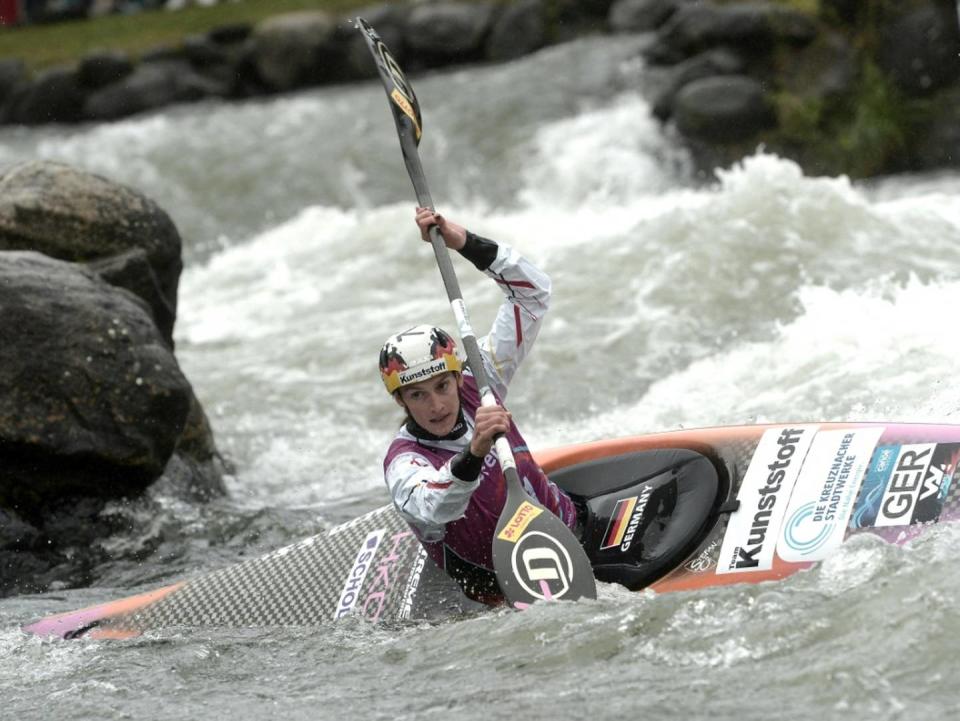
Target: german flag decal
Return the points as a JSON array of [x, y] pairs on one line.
[[618, 522]]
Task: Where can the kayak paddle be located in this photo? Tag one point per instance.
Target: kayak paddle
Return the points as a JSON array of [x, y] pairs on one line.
[[535, 556]]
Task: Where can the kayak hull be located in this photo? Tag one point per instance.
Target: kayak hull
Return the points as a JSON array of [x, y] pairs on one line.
[[783, 498]]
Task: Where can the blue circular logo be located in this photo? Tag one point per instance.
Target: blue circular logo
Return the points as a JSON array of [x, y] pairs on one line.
[[802, 534]]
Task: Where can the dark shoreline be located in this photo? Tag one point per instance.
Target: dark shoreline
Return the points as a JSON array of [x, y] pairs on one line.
[[860, 88]]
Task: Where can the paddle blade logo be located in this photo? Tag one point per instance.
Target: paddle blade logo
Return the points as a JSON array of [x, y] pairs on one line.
[[402, 94], [542, 566], [515, 527]]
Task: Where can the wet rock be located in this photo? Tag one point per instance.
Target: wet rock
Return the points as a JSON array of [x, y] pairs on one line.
[[16, 534], [230, 33], [99, 69], [596, 7], [225, 64], [55, 96], [196, 468], [95, 401], [202, 52], [59, 549], [726, 108], [520, 30], [749, 27], [94, 407], [633, 16], [13, 74], [151, 85], [920, 49], [449, 32], [76, 216], [293, 50], [842, 10], [935, 140], [719, 61]]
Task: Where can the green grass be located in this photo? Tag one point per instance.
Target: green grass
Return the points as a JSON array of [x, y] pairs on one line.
[[41, 46], [811, 7]]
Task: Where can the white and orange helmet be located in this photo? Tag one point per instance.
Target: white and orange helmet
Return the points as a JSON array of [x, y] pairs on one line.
[[417, 354]]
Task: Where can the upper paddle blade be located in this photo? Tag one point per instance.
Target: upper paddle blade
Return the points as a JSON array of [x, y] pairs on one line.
[[536, 557], [403, 101]]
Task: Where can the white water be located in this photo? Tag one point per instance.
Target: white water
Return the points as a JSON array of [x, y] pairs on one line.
[[768, 296]]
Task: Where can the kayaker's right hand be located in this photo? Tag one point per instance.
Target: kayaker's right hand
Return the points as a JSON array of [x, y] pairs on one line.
[[487, 424]]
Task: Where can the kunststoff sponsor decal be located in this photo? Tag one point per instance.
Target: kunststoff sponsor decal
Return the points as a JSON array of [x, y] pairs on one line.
[[752, 532], [822, 500]]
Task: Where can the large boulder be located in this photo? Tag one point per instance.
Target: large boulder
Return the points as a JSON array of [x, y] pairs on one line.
[[449, 32], [724, 109], [151, 85], [76, 216], [294, 49], [94, 408], [94, 400], [520, 29]]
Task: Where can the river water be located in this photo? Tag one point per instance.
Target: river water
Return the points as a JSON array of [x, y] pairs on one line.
[[766, 296]]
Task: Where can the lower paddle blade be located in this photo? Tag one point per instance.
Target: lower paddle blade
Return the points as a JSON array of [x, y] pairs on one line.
[[536, 557]]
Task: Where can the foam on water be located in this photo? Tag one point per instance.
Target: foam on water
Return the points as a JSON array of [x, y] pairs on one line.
[[881, 353], [768, 296]]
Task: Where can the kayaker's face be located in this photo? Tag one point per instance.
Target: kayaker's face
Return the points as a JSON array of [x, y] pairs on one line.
[[434, 403]]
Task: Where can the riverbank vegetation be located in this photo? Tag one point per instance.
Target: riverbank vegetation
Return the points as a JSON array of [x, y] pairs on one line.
[[42, 46]]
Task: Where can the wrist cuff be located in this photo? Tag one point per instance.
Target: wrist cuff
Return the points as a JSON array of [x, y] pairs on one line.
[[466, 466], [479, 251]]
